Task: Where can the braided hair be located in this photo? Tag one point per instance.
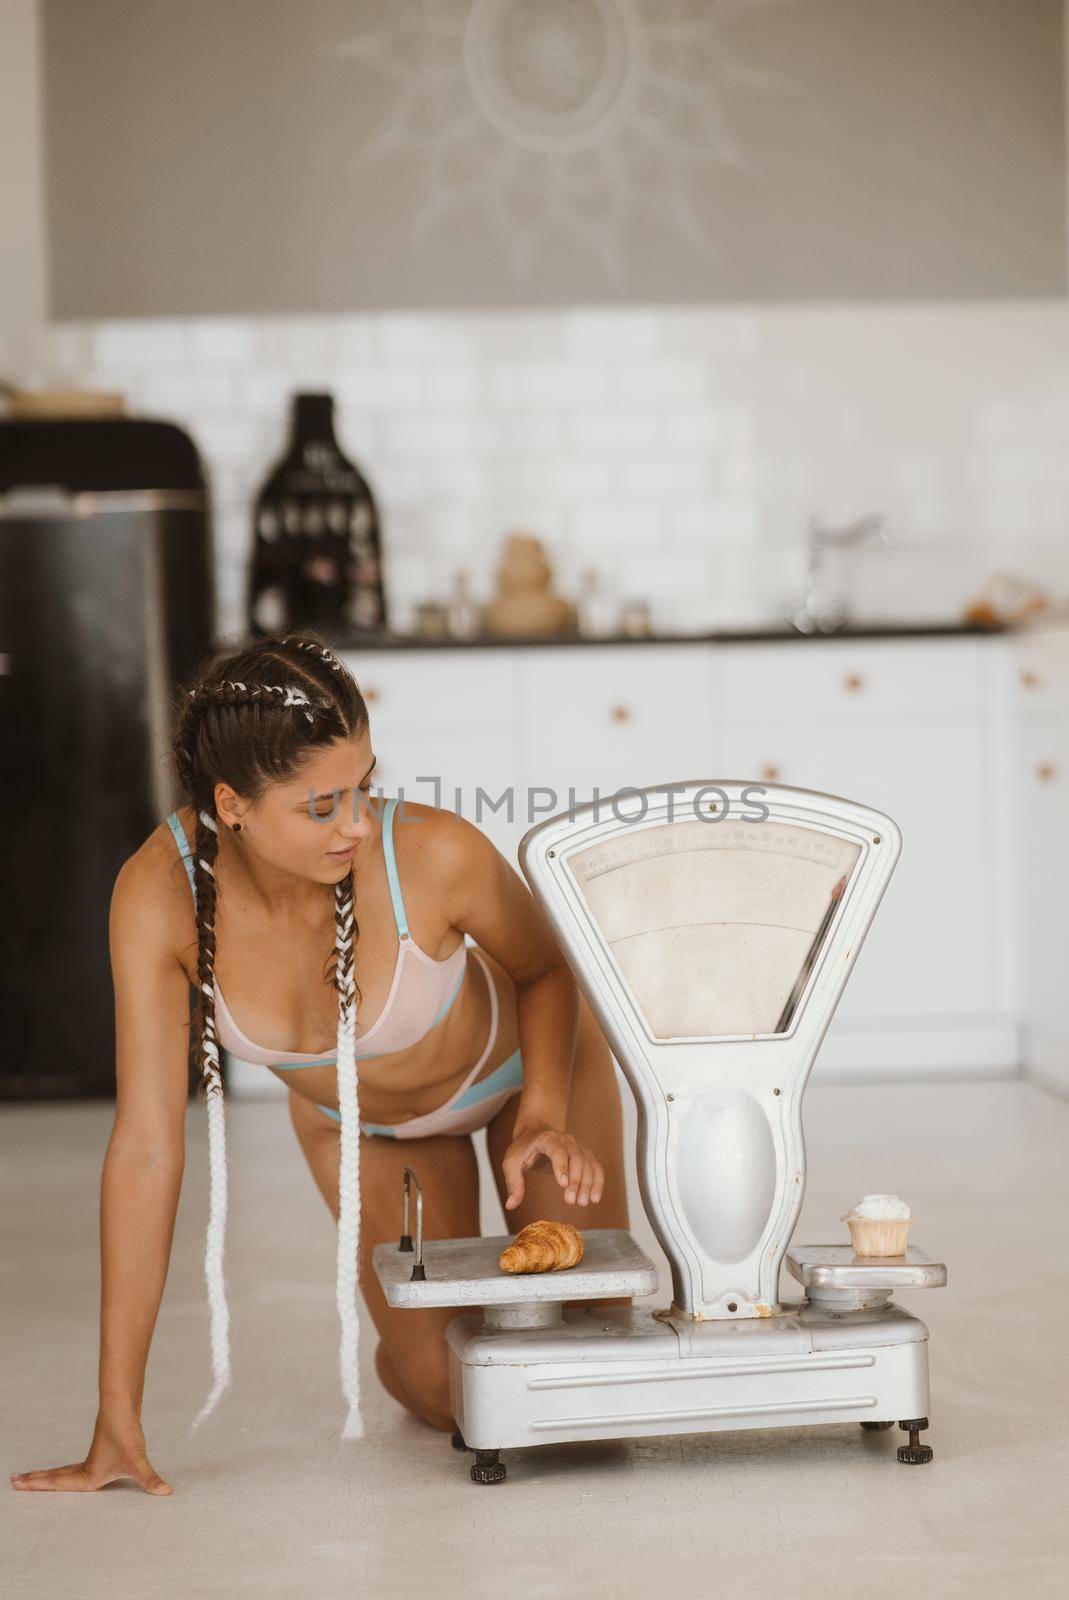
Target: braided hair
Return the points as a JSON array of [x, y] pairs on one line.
[[239, 725]]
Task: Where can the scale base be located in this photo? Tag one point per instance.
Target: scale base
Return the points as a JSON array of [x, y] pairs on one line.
[[624, 1373]]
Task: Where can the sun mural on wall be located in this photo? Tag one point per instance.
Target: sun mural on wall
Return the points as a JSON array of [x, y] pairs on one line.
[[557, 118]]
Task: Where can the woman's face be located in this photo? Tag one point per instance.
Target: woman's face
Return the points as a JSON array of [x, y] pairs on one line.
[[316, 825]]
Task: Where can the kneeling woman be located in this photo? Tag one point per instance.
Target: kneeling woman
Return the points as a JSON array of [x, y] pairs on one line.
[[312, 904]]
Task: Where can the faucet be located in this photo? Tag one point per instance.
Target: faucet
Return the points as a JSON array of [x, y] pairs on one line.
[[820, 608]]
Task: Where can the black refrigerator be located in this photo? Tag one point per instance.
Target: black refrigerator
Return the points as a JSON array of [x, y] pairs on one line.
[[106, 604]]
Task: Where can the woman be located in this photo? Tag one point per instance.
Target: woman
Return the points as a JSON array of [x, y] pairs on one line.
[[283, 847]]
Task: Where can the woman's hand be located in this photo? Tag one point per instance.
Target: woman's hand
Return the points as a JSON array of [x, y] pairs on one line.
[[117, 1451], [575, 1167]]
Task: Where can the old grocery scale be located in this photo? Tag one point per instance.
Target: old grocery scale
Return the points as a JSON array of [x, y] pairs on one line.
[[712, 927]]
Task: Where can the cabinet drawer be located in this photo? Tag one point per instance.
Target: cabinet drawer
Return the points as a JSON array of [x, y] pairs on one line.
[[621, 708], [444, 689], [929, 952], [847, 679]]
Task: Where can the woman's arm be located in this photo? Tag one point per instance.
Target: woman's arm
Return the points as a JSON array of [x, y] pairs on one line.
[[142, 1174], [487, 898], [142, 1171]]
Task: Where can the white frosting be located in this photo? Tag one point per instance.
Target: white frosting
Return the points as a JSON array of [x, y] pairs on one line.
[[879, 1207]]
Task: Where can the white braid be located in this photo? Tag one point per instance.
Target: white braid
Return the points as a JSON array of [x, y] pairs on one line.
[[217, 1207], [319, 650], [291, 696], [347, 1275], [213, 1257], [348, 1189]]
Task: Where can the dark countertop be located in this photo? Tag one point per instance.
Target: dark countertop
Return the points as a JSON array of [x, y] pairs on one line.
[[352, 640]]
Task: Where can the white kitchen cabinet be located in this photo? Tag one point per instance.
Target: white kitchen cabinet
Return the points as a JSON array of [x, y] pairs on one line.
[[848, 678], [919, 997], [595, 722], [624, 711], [964, 741], [1038, 794], [443, 690]]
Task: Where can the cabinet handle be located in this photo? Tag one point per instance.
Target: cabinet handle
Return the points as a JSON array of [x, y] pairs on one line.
[[1029, 679], [1046, 771], [770, 770], [853, 681], [370, 693], [620, 714]]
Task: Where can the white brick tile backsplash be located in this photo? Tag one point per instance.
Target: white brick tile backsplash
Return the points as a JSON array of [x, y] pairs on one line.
[[352, 340], [548, 383], [457, 387], [191, 394], [713, 519], [263, 391], [655, 382], [571, 477], [453, 478], [425, 435], [611, 334], [425, 339], [614, 524], [378, 389], [680, 448], [506, 335], [611, 431], [664, 477], [214, 342], [146, 346], [540, 433], [71, 348], [299, 345]]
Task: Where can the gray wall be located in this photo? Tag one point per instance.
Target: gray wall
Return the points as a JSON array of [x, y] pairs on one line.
[[22, 269], [269, 155]]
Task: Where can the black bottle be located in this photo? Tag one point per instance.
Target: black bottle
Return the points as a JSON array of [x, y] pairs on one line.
[[316, 559]]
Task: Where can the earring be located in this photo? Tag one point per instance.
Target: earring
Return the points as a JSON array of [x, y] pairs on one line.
[[237, 827]]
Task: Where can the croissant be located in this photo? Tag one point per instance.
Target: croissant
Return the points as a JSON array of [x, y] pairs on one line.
[[543, 1247]]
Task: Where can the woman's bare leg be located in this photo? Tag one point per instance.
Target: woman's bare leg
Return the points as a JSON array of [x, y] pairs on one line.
[[414, 1361]]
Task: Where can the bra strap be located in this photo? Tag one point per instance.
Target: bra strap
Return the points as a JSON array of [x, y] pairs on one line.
[[391, 870], [175, 824]]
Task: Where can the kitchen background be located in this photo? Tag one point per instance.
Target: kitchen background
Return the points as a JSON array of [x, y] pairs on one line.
[[815, 267], [627, 311]]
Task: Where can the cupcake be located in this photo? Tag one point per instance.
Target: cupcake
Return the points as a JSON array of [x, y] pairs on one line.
[[878, 1225]]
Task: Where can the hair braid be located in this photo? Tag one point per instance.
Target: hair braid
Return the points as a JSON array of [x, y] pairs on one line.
[[349, 1175], [205, 853], [212, 744]]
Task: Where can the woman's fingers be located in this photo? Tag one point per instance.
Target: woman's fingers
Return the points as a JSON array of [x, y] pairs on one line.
[[576, 1164], [69, 1477], [152, 1483], [76, 1478], [579, 1173]]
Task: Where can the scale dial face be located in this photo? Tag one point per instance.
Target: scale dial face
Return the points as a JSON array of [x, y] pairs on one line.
[[715, 926]]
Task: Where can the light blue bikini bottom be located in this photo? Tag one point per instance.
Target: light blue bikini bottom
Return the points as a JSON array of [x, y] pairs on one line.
[[469, 1108]]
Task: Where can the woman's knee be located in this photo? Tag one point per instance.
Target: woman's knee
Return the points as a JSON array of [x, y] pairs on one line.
[[416, 1371], [423, 1373]]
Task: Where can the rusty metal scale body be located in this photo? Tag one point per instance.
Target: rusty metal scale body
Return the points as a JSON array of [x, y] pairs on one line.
[[712, 925]]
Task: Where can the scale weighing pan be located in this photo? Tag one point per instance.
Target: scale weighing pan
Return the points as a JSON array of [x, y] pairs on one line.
[[712, 926]]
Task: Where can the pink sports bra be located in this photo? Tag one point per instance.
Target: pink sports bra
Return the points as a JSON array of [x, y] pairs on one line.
[[421, 992]]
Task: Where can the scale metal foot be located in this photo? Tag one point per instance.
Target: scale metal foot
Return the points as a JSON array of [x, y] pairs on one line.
[[877, 1427], [457, 1440], [487, 1468], [914, 1453]]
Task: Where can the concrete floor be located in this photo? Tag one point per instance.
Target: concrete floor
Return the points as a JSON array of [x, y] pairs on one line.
[[268, 1501]]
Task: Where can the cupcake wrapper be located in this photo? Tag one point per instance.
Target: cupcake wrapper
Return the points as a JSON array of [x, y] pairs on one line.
[[872, 1236]]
